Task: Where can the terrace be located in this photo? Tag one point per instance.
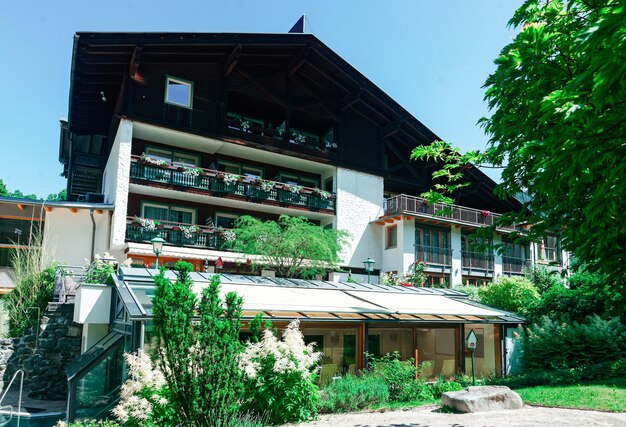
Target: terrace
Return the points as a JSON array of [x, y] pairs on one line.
[[419, 207], [177, 234]]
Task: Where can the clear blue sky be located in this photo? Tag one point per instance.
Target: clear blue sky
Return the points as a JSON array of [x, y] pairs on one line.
[[432, 56]]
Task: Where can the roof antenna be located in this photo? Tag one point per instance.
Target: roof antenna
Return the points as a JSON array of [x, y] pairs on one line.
[[298, 27]]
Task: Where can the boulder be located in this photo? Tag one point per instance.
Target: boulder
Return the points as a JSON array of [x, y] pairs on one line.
[[482, 399]]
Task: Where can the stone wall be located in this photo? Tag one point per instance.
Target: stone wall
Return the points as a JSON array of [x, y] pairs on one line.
[[44, 358]]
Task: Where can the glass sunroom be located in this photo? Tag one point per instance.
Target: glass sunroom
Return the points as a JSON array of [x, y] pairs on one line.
[[346, 320]]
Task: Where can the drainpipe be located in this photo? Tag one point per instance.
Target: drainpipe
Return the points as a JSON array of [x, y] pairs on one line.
[[93, 233]]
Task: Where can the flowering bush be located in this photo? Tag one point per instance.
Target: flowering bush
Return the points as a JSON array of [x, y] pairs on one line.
[[245, 125], [189, 230], [389, 279], [266, 185], [294, 188], [280, 377], [142, 398], [145, 158], [230, 178], [229, 235], [148, 224]]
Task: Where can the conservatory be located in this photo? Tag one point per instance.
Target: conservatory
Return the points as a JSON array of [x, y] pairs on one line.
[[345, 320]]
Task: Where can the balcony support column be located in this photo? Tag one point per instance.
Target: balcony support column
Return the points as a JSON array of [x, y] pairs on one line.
[[456, 274], [497, 257]]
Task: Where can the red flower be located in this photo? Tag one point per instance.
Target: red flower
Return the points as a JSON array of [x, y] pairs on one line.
[[406, 284]]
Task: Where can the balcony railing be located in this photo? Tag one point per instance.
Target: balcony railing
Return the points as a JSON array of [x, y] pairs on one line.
[[255, 132], [434, 255], [477, 260], [420, 206], [205, 237], [219, 184], [514, 265]]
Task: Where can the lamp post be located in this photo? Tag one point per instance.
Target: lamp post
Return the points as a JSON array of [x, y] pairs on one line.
[[369, 267], [157, 248]]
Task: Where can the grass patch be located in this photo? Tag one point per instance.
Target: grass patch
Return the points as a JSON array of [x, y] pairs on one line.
[[393, 406], [602, 395]]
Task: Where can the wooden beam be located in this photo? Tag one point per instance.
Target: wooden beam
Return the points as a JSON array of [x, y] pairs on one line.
[[266, 91], [73, 210], [48, 208], [350, 99], [99, 211], [391, 128], [406, 163], [20, 206], [320, 102], [251, 81], [232, 60], [299, 60]]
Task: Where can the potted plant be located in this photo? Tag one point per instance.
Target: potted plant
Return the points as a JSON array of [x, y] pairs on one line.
[[260, 188], [148, 160], [227, 183], [291, 193], [321, 200]]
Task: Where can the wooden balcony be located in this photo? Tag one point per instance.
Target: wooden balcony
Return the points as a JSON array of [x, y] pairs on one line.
[[216, 183], [514, 265], [418, 206], [205, 237], [434, 256], [477, 261]]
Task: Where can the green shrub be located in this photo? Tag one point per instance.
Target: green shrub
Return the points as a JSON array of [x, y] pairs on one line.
[[515, 294], [90, 423], [442, 386], [471, 291], [100, 270], [549, 345], [542, 278], [199, 361], [399, 375], [352, 393]]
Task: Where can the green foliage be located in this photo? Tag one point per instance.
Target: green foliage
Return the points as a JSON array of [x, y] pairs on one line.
[[399, 376], [442, 386], [200, 364], [542, 278], [4, 192], [33, 290], [279, 383], [352, 393], [57, 197], [558, 102], [515, 294], [99, 271], [90, 423], [549, 345], [470, 290], [293, 247]]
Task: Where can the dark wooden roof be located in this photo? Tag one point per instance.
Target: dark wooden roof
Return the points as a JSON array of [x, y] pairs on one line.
[[102, 60]]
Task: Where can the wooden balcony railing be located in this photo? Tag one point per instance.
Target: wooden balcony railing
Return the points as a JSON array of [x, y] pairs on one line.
[[514, 265], [477, 260], [419, 206], [217, 183], [171, 232], [434, 255]]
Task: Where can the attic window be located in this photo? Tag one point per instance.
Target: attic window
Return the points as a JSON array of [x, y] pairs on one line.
[[178, 92]]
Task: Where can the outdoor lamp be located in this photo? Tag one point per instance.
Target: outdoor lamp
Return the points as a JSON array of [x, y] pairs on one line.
[[369, 267], [157, 248]]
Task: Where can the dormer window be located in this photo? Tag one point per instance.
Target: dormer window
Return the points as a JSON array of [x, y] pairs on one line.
[[178, 92]]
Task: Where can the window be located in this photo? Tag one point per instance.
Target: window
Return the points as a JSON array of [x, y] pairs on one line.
[[175, 157], [176, 214], [391, 240], [178, 92], [225, 220], [328, 185], [550, 249], [305, 181], [432, 245], [240, 169]]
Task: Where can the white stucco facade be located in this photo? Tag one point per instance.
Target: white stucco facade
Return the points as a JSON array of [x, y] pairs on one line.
[[116, 183], [359, 201], [67, 236]]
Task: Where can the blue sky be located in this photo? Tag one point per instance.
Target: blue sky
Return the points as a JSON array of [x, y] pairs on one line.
[[432, 56]]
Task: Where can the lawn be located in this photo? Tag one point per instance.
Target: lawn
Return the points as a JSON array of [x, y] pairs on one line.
[[604, 395]]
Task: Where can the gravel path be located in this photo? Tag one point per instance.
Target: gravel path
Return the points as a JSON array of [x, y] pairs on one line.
[[425, 417]]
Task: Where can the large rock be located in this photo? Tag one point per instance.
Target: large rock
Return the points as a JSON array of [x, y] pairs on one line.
[[482, 399]]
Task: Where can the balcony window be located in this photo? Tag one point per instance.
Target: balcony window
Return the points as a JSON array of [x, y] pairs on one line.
[[432, 245], [305, 181], [240, 169], [225, 220], [178, 92], [176, 214], [550, 249], [175, 157], [391, 234]]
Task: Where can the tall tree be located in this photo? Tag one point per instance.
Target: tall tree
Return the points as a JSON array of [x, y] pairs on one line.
[[558, 126], [291, 246]]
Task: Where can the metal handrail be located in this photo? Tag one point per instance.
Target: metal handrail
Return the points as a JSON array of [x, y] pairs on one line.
[[2, 408], [19, 401]]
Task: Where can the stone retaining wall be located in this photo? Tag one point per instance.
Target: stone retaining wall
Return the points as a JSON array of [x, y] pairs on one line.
[[43, 358]]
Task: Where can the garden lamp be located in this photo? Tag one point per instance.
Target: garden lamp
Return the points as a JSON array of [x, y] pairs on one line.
[[157, 248], [369, 267]]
